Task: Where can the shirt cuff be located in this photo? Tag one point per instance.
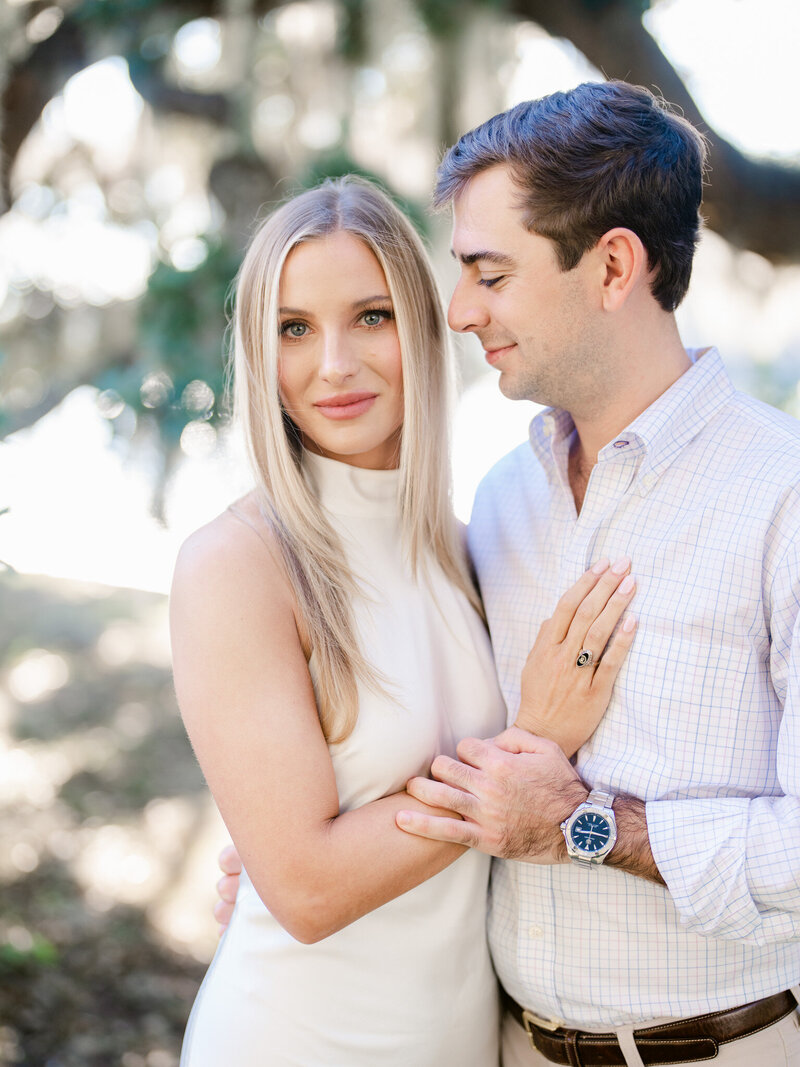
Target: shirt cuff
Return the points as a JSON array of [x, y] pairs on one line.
[[700, 849]]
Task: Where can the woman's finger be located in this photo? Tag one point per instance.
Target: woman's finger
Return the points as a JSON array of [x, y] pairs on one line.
[[613, 658], [229, 860], [223, 912], [591, 606], [602, 628], [228, 887], [561, 619]]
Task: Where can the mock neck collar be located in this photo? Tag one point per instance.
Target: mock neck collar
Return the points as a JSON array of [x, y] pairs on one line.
[[347, 490]]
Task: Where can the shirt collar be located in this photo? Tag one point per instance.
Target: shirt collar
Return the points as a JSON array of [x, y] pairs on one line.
[[657, 436]]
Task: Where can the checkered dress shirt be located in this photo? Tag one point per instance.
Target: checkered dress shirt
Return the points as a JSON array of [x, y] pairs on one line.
[[702, 491]]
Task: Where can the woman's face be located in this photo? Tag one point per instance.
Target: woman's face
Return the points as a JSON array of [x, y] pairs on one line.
[[339, 367]]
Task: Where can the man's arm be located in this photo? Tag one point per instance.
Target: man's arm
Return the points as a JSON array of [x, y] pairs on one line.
[[632, 852], [513, 793], [731, 863]]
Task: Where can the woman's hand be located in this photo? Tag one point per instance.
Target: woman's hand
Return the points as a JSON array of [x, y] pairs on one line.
[[560, 700], [230, 864]]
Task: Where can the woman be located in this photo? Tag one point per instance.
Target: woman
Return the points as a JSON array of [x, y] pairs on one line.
[[327, 643]]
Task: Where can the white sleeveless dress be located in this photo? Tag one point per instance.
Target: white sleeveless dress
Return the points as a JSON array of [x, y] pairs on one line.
[[411, 983]]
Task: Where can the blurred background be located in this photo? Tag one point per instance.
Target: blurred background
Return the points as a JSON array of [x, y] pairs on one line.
[[140, 139]]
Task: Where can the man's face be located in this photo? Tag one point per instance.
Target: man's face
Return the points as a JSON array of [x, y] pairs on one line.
[[539, 325]]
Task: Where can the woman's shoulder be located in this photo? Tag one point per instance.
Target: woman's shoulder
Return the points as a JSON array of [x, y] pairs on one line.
[[233, 555]]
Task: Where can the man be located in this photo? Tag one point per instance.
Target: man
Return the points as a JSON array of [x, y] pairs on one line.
[[575, 221]]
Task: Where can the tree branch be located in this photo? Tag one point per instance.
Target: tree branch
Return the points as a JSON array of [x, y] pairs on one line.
[[31, 85], [45, 69], [753, 204]]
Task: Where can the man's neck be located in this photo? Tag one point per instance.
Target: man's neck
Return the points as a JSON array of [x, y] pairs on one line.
[[644, 383]]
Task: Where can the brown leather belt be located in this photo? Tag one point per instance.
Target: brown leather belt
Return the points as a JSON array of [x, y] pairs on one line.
[[679, 1041]]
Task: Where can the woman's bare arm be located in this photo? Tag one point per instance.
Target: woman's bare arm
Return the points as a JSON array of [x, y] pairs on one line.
[[248, 705]]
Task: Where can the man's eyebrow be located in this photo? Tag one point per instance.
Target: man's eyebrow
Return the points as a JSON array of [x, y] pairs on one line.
[[485, 255]]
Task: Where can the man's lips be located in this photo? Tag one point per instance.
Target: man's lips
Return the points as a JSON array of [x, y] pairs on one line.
[[345, 405], [495, 354]]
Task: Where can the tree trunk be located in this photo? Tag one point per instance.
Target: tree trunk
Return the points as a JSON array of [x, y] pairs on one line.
[[754, 205]]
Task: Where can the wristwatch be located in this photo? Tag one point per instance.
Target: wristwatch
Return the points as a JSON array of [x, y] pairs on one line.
[[591, 830]]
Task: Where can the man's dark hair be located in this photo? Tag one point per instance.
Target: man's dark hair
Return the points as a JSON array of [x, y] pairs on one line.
[[604, 154]]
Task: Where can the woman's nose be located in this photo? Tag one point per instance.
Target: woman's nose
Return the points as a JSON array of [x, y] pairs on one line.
[[339, 359]]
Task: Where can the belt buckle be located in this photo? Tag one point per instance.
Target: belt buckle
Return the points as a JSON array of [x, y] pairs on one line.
[[529, 1020]]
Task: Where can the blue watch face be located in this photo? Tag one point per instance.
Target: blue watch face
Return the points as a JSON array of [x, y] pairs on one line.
[[590, 832]]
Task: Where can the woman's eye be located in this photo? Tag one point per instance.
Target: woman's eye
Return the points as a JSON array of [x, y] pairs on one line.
[[376, 317], [489, 282], [294, 329]]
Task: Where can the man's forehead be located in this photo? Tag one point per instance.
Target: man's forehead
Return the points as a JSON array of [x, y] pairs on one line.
[[487, 218], [493, 189]]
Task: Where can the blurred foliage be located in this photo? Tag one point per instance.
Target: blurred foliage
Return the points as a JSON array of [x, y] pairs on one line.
[[311, 71], [6, 566], [352, 40], [638, 6], [338, 163], [109, 14], [173, 374], [443, 18], [16, 961], [777, 382], [179, 374]]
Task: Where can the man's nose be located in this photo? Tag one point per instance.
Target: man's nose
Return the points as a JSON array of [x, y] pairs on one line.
[[339, 359], [467, 312]]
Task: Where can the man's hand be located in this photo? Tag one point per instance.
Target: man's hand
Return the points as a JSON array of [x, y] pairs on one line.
[[512, 791], [228, 886]]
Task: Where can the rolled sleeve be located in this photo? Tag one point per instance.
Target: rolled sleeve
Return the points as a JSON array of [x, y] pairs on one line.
[[732, 865]]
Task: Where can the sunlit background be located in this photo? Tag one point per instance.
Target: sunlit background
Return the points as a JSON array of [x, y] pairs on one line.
[[105, 191], [129, 202]]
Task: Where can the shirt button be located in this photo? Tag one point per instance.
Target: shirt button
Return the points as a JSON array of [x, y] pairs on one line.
[[621, 444], [535, 931]]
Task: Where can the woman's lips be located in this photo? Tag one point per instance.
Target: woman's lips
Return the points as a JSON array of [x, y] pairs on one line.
[[494, 354], [345, 405]]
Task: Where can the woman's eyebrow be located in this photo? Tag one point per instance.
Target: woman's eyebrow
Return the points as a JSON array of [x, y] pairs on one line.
[[380, 299]]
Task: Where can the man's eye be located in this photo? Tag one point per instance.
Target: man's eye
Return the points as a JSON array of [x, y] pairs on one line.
[[294, 329], [489, 282]]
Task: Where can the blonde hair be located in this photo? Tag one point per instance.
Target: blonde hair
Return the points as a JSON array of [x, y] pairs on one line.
[[311, 550]]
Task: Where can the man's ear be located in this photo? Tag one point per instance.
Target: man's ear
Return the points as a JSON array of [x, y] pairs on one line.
[[625, 264]]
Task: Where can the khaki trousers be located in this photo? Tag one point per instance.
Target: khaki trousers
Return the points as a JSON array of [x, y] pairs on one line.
[[777, 1046]]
